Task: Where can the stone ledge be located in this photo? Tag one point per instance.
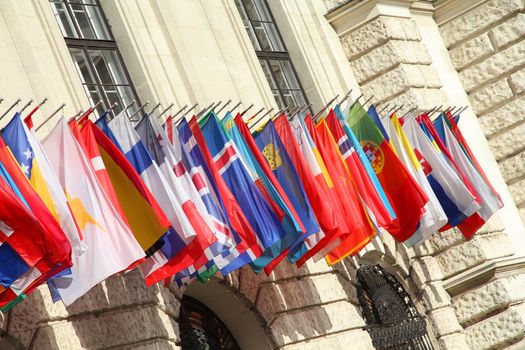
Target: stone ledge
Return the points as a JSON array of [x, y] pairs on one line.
[[483, 273], [496, 295], [496, 331]]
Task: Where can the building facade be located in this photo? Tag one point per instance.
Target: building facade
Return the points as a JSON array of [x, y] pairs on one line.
[[277, 53]]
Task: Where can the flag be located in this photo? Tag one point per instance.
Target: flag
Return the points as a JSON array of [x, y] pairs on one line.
[[278, 160], [455, 198], [136, 204], [255, 207], [332, 217], [434, 217], [186, 247], [372, 112], [111, 245], [269, 184], [360, 230], [463, 157], [247, 242], [184, 168], [367, 191], [395, 179]]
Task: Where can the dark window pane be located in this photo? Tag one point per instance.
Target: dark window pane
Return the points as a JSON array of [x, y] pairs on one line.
[[94, 96], [268, 73], [257, 10], [82, 66], [64, 19], [278, 99], [123, 95], [90, 22], [108, 66]]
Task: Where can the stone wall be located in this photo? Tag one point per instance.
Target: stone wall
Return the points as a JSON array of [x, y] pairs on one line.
[[487, 47]]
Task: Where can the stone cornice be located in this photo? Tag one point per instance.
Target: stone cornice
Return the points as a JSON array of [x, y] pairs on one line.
[[354, 14], [484, 273], [447, 10]]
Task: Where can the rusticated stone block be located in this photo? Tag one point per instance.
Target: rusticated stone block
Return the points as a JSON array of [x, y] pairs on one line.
[[471, 50], [518, 191], [107, 330], [356, 339], [477, 19], [424, 270], [494, 332], [444, 321], [503, 117], [521, 210], [400, 79], [422, 98], [305, 324], [295, 294], [509, 31], [456, 341], [440, 241], [435, 296], [517, 81], [378, 31], [476, 251], [387, 56], [513, 167], [286, 270], [511, 142], [496, 295], [490, 95], [493, 67]]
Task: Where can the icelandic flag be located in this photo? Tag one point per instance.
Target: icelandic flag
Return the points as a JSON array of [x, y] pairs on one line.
[[247, 242], [434, 217], [273, 150], [455, 198], [257, 210]]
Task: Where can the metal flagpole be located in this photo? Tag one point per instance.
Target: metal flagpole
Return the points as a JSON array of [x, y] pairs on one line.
[[141, 108], [246, 110], [25, 106], [346, 96], [51, 116], [11, 107], [325, 107], [234, 107], [167, 109]]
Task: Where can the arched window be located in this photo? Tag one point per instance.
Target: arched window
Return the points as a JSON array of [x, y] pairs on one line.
[[390, 315], [201, 329]]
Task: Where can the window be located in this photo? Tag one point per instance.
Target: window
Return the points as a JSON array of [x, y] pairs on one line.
[[95, 53], [272, 54]]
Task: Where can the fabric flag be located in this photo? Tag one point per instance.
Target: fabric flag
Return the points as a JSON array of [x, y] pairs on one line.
[[111, 245], [490, 201], [372, 112], [137, 206], [365, 186], [272, 148], [333, 217], [395, 179], [186, 248], [255, 161], [255, 207], [359, 225], [183, 168], [455, 198], [470, 225], [248, 244], [434, 217]]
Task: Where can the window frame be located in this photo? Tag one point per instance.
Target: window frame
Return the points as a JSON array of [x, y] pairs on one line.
[[97, 44]]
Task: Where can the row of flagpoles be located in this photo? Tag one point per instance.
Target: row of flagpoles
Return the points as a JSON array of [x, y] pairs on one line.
[[191, 198]]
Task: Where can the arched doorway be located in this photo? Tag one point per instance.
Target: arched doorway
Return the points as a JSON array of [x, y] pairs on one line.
[[225, 317], [391, 317]]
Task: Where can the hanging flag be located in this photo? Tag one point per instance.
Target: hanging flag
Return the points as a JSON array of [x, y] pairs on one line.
[[490, 201], [263, 175], [278, 160], [248, 244], [189, 247], [137, 206], [367, 191], [334, 219], [434, 217], [395, 179], [360, 227], [256, 209], [372, 112], [183, 167], [111, 245], [455, 198]]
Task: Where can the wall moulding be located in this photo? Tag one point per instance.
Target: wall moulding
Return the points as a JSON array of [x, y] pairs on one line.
[[447, 10], [484, 273]]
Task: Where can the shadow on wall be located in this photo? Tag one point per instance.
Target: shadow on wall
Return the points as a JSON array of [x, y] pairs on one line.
[[121, 311]]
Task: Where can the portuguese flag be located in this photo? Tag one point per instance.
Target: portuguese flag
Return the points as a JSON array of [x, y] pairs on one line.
[[407, 198]]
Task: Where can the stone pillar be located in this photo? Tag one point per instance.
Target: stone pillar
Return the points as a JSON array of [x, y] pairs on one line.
[[399, 56]]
